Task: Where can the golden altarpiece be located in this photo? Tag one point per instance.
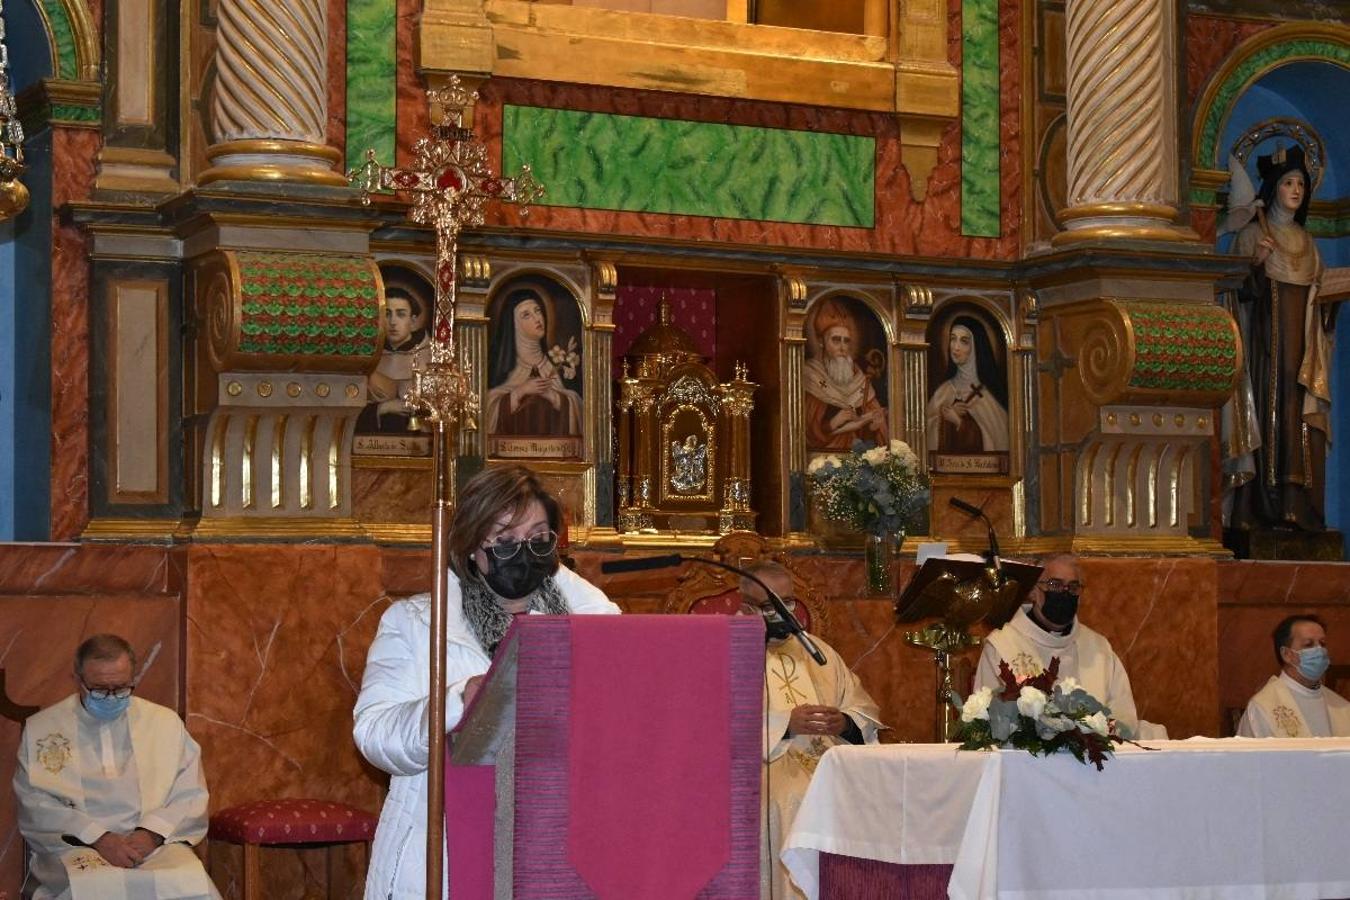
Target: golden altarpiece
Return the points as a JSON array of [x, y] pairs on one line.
[[684, 439]]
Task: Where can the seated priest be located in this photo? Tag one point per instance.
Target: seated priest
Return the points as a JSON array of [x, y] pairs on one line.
[[110, 790], [808, 709], [503, 550], [1048, 627], [1295, 703]]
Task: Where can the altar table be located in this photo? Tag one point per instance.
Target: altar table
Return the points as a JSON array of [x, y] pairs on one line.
[[1203, 818]]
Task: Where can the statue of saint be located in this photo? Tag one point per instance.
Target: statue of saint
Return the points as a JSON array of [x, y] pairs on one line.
[[1277, 425]]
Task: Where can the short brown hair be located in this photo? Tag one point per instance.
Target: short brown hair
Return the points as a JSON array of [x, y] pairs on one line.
[[481, 503], [106, 647]]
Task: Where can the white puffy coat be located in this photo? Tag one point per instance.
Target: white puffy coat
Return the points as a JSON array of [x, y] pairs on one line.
[[391, 721]]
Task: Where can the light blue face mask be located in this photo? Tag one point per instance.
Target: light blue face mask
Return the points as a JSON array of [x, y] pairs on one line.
[[106, 709], [1313, 662]]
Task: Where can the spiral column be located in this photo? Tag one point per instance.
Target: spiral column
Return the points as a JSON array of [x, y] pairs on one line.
[[1122, 141], [269, 109]]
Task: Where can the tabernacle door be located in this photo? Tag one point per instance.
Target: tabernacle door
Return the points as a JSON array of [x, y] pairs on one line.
[[611, 757]]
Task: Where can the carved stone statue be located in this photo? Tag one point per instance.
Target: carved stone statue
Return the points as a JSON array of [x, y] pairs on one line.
[[1277, 425]]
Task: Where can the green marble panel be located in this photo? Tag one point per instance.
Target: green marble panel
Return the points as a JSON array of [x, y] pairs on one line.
[[979, 119], [372, 89], [639, 164], [1248, 71], [62, 36]]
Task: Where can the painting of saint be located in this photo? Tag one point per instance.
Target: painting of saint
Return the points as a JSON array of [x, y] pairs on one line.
[[407, 305], [534, 376], [843, 376], [968, 410]]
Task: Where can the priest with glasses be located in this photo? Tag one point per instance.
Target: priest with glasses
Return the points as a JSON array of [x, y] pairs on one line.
[[503, 550]]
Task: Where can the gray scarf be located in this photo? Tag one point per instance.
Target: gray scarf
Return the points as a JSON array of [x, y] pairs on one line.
[[489, 621]]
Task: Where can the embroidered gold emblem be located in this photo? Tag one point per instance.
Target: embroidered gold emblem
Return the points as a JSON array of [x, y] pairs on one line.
[[86, 860], [1287, 720], [53, 751], [787, 680], [809, 758], [1024, 665]]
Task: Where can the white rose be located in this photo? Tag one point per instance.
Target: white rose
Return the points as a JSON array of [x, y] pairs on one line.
[[977, 705], [1068, 685], [815, 465], [875, 455], [1031, 702], [1094, 723]]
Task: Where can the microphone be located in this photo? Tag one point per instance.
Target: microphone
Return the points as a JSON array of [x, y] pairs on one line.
[[640, 564], [992, 556], [646, 563]]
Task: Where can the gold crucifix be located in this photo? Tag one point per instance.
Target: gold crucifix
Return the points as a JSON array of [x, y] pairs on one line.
[[450, 185]]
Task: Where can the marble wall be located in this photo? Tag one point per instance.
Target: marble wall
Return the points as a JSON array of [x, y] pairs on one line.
[[263, 647]]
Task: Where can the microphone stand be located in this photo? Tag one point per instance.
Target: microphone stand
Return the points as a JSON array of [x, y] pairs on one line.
[[779, 606]]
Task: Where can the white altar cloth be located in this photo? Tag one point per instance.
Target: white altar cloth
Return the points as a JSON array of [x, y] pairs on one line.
[[1201, 819]]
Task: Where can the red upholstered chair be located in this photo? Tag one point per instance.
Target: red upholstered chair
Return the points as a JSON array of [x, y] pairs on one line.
[[290, 823]]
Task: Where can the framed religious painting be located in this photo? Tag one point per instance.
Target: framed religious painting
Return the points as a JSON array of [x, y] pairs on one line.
[[966, 421], [385, 426], [844, 379], [534, 401]]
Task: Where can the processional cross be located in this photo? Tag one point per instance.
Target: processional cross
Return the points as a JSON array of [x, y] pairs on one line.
[[450, 185]]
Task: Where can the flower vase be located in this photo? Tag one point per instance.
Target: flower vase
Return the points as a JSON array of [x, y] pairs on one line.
[[879, 554]]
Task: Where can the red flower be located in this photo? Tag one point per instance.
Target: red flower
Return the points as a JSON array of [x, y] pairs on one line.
[[1010, 686], [1046, 680]]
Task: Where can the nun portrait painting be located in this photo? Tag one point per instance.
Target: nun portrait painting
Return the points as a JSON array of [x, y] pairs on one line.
[[534, 374], [968, 410]]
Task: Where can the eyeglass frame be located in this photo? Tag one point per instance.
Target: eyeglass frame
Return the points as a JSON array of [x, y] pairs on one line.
[[118, 693], [495, 549], [1056, 584], [767, 606]]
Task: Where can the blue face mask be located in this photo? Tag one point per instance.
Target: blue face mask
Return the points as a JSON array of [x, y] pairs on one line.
[[1313, 662], [106, 709]]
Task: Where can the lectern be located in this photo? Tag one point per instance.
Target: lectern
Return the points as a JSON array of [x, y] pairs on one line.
[[611, 757]]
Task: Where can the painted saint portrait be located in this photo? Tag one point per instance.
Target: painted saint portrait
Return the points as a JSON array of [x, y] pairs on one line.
[[408, 300], [844, 376], [534, 405], [967, 411]]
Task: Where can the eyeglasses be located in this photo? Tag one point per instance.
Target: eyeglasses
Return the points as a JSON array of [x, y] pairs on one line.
[[1054, 584], [120, 693], [539, 544], [753, 609]]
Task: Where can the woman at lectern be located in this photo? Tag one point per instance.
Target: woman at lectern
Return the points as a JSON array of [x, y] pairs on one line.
[[503, 550]]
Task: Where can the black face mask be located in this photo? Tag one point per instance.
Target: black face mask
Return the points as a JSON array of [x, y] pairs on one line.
[[520, 575], [776, 629], [1060, 607]]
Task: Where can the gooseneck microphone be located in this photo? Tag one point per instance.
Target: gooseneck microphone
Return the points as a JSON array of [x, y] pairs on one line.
[[647, 563], [992, 555]]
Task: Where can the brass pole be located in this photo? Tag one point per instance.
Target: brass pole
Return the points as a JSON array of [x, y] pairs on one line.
[[442, 435]]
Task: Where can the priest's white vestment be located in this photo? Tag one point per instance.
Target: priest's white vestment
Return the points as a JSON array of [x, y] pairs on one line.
[[79, 777], [1285, 708], [1083, 654], [792, 679]]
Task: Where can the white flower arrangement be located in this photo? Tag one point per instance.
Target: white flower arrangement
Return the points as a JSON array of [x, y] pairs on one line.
[[1040, 714], [873, 489]]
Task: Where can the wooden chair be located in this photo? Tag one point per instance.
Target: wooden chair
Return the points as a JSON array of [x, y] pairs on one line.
[[704, 590], [17, 712]]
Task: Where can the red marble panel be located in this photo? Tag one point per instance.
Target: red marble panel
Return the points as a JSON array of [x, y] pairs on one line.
[[1279, 585], [90, 568], [73, 153], [335, 134], [1161, 617], [392, 495], [411, 116], [1209, 41], [276, 641]]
